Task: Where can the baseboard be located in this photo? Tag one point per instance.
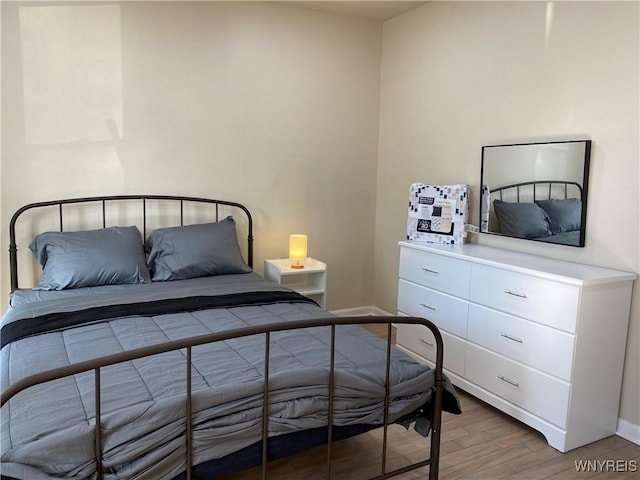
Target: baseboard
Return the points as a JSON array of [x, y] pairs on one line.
[[628, 431], [367, 310]]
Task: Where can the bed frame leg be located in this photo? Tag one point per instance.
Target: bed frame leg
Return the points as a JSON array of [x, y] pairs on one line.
[[98, 437], [436, 423], [332, 364], [189, 445], [265, 412]]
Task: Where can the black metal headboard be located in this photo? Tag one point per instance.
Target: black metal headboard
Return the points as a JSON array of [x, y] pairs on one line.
[[539, 184], [13, 248]]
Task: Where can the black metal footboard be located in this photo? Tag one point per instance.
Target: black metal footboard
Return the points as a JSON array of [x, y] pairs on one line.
[[266, 330]]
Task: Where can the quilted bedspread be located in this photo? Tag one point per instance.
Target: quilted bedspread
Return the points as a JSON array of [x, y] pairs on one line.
[[48, 430]]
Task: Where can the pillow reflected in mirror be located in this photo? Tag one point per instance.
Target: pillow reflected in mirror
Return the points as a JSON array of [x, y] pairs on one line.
[[565, 214], [523, 220]]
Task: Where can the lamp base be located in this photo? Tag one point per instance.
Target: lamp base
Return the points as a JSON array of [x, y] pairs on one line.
[[297, 265]]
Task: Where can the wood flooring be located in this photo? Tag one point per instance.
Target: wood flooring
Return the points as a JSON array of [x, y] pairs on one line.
[[381, 330], [480, 444]]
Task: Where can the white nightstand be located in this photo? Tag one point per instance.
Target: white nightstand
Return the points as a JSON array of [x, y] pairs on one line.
[[310, 281]]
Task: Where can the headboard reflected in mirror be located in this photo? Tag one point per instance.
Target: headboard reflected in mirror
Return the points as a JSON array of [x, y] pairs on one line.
[[536, 191]]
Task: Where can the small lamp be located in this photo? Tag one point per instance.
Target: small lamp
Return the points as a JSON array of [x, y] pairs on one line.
[[297, 250]]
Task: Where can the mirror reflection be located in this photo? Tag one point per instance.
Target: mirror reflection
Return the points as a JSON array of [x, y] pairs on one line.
[[536, 191]]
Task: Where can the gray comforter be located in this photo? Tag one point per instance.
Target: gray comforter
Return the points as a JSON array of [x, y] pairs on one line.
[[48, 430]]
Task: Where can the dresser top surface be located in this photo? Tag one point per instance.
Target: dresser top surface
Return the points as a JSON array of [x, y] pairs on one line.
[[527, 263]]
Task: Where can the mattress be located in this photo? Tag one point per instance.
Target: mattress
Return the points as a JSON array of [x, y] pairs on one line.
[[48, 430]]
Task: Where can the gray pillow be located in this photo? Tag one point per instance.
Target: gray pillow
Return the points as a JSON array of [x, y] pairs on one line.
[[190, 251], [565, 214], [524, 220], [108, 256]]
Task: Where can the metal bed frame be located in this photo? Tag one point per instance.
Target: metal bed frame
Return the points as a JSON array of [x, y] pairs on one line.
[[534, 184], [13, 248], [97, 364], [549, 192]]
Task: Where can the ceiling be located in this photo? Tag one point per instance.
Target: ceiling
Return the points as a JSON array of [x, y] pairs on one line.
[[372, 10]]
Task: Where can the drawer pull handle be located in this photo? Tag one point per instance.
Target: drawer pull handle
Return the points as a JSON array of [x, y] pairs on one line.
[[427, 343], [515, 294], [510, 382], [428, 306], [430, 271], [509, 337]]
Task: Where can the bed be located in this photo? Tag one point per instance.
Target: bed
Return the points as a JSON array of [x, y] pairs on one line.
[[158, 353], [544, 210]]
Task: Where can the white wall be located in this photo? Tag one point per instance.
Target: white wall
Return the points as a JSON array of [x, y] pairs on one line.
[[459, 75], [271, 106]]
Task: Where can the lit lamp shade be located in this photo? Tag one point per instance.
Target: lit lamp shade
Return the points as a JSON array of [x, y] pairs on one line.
[[297, 250]]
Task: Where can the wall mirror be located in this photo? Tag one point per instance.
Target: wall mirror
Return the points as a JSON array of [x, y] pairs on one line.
[[536, 191]]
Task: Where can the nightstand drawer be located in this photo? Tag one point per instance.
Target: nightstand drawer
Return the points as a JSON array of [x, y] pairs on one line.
[[522, 340], [439, 272], [447, 312], [538, 299], [525, 387], [421, 341]]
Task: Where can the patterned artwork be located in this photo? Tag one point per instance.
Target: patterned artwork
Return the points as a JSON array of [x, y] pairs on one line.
[[437, 213]]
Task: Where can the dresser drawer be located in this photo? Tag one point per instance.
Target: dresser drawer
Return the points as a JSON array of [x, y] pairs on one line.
[[421, 341], [540, 394], [538, 346], [447, 312], [541, 300], [439, 272]]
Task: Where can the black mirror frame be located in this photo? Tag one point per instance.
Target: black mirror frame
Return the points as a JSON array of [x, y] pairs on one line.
[[584, 190]]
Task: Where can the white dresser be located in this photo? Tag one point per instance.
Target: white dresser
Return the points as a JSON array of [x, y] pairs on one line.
[[541, 339]]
